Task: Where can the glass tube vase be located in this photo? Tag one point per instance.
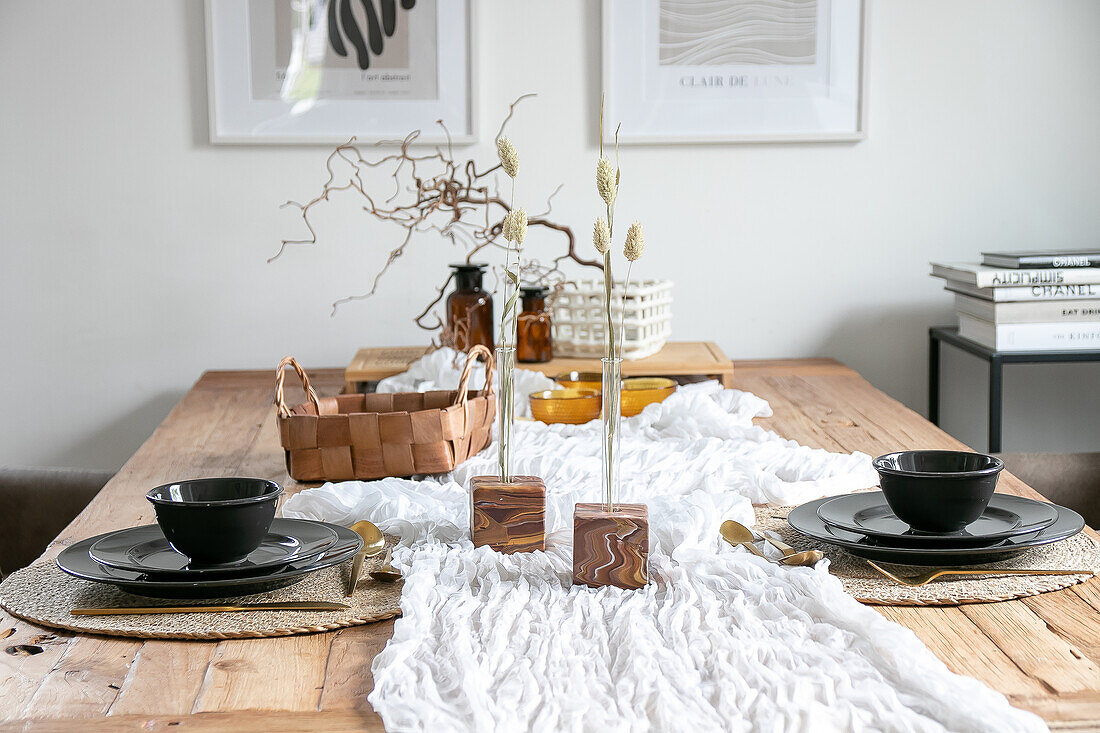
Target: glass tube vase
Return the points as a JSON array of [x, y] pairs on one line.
[[506, 409], [611, 416]]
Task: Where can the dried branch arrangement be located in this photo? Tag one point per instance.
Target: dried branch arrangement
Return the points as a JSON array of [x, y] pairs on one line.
[[515, 231], [603, 232], [421, 192]]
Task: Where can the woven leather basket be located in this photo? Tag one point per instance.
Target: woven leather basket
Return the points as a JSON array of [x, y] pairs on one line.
[[371, 436]]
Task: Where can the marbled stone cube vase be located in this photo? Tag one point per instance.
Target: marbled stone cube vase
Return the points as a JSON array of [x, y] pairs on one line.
[[611, 547], [509, 516]]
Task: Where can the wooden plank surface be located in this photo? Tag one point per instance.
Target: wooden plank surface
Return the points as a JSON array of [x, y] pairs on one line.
[[677, 358], [1043, 652]]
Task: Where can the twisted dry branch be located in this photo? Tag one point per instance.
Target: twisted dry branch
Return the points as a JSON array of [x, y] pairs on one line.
[[432, 192]]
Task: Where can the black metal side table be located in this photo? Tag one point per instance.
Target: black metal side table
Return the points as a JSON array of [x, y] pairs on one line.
[[997, 360]]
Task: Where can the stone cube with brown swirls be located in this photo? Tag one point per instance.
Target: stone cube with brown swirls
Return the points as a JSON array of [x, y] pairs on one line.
[[611, 547], [509, 516]]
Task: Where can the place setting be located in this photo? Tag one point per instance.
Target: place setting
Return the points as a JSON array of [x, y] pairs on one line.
[[937, 513], [218, 564]]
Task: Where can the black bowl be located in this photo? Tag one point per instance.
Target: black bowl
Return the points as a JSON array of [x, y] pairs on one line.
[[937, 490], [216, 520]]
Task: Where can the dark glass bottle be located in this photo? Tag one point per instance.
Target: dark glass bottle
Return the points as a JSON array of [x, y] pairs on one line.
[[534, 343], [469, 309]]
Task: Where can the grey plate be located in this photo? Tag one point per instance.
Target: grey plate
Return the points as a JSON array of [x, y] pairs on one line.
[[76, 561], [145, 550], [869, 514], [804, 519]]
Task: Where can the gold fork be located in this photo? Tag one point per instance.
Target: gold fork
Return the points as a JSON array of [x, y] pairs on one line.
[[924, 578]]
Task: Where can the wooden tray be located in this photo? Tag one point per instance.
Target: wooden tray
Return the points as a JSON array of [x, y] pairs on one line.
[[676, 359]]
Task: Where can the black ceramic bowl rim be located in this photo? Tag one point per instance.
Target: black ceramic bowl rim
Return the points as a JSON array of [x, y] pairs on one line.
[[882, 464], [275, 491]]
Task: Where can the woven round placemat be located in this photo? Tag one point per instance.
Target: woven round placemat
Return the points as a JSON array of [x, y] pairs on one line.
[[863, 582], [42, 594]]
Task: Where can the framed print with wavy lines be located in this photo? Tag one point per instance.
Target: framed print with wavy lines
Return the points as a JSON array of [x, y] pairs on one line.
[[320, 71], [698, 71]]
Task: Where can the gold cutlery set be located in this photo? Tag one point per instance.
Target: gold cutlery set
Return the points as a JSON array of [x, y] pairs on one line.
[[739, 535]]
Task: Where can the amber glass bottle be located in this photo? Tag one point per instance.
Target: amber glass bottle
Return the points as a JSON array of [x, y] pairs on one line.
[[533, 340], [470, 309]]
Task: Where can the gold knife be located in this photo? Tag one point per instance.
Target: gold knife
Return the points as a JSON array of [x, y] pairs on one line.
[[277, 606]]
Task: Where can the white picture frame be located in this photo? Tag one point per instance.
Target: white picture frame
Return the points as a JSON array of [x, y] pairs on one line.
[[657, 63], [237, 117]]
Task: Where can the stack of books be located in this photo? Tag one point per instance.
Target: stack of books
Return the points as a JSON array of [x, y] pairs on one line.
[[1028, 301]]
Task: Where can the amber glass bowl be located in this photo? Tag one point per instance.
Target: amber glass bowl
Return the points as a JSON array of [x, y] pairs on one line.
[[641, 391], [572, 406], [580, 380]]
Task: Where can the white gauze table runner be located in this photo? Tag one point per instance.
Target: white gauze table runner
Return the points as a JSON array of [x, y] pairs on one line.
[[719, 639]]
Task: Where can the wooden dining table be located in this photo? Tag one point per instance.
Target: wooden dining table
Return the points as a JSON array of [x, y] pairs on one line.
[[1042, 652]]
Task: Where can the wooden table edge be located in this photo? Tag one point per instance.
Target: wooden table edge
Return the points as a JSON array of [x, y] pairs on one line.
[[241, 721]]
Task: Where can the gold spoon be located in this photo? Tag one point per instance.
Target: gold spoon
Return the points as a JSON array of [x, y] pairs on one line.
[[736, 534], [386, 572], [743, 531], [373, 543], [917, 581]]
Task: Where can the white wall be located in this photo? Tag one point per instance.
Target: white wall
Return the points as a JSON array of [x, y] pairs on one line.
[[134, 251]]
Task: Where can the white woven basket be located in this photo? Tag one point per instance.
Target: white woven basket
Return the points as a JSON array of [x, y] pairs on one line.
[[579, 320]]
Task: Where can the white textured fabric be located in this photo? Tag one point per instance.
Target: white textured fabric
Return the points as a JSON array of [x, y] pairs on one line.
[[440, 369], [719, 640]]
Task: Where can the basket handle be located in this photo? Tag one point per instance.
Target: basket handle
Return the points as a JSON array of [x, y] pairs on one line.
[[464, 381], [280, 400]]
